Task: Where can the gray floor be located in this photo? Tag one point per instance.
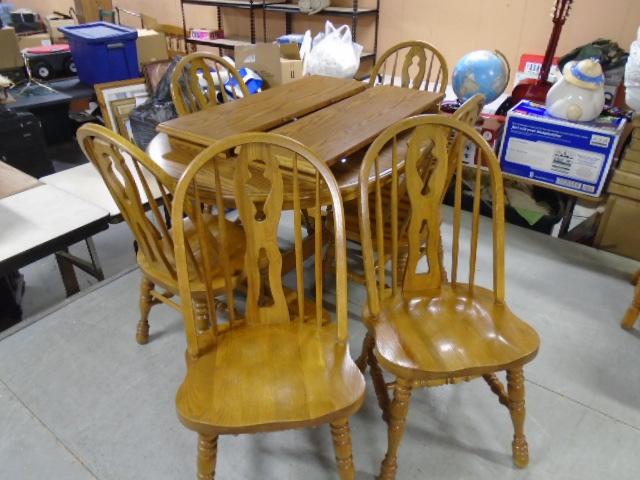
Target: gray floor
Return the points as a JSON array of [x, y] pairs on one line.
[[80, 400]]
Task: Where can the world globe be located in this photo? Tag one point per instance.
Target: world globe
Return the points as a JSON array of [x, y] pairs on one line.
[[482, 71]]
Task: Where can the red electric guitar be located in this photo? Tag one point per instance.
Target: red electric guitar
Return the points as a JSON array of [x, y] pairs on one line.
[[536, 90]]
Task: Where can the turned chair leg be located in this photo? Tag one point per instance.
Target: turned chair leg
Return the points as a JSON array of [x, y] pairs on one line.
[[634, 309], [201, 309], [379, 384], [367, 346], [146, 302], [341, 434], [207, 453], [399, 410], [515, 387]]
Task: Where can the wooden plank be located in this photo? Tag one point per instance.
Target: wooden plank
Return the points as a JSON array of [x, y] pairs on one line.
[[14, 181], [624, 191], [632, 155], [626, 178], [261, 112], [629, 166], [350, 125]]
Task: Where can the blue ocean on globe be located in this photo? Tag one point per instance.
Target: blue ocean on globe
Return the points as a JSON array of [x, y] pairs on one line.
[[482, 71]]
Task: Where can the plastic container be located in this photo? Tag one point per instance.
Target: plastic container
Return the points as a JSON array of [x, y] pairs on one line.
[[103, 52], [5, 13]]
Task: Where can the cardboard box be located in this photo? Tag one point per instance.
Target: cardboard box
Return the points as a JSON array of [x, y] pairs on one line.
[[619, 229], [572, 156], [10, 56], [36, 40], [89, 10], [152, 46], [53, 23], [276, 64]]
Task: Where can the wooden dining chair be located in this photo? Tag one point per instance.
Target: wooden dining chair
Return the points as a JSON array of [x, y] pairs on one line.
[[423, 328], [263, 367], [468, 113], [198, 82], [419, 64], [126, 171], [633, 312], [176, 42]]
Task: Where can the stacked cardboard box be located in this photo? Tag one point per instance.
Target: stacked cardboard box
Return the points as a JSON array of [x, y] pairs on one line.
[[619, 229]]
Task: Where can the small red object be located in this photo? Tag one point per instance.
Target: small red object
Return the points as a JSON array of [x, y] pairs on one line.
[[48, 49]]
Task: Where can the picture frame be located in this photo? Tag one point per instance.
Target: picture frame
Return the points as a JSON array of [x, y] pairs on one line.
[[153, 73], [107, 93], [121, 109]]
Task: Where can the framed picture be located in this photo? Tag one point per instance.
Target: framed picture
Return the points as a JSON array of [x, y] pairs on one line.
[[153, 73], [121, 110], [107, 93]]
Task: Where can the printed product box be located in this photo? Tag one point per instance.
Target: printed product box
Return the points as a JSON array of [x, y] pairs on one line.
[[572, 156]]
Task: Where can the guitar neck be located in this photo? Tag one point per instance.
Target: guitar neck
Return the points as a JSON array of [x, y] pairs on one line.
[[561, 12]]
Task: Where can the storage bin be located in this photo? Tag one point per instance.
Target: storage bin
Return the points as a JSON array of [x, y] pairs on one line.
[[5, 13], [103, 52]]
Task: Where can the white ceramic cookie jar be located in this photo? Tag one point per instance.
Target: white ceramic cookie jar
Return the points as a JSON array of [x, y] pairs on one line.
[[579, 94]]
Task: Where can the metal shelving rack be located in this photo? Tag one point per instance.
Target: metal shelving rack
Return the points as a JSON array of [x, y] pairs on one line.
[[355, 12]]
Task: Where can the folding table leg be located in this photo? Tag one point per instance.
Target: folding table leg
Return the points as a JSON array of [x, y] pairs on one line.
[[67, 262], [68, 273]]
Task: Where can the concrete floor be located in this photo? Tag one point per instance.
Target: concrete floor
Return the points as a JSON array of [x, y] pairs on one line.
[[79, 399]]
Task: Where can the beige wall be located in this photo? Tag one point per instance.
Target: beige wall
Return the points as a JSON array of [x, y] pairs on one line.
[[454, 26]]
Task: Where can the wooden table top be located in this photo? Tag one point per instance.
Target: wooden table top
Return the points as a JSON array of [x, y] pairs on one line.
[[14, 181], [335, 128], [261, 112], [337, 131]]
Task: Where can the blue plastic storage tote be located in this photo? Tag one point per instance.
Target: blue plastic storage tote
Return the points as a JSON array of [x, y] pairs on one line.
[[103, 52]]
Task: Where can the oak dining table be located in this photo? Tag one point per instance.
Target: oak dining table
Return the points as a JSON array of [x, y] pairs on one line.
[[336, 118]]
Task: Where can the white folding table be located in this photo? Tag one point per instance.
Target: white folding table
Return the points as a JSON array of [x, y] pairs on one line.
[[85, 182], [44, 220]]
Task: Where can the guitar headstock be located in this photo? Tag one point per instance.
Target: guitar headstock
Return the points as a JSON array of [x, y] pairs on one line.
[[560, 11]]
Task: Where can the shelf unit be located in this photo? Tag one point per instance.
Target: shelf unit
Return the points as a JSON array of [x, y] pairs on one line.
[[290, 9]]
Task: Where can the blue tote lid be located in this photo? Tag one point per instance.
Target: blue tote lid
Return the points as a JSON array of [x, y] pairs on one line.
[[98, 32]]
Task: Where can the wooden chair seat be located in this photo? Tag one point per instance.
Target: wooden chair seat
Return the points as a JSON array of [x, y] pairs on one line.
[[311, 380], [160, 274], [453, 334]]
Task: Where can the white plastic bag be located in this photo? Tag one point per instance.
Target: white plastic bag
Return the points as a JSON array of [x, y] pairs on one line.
[[632, 75], [334, 54]]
